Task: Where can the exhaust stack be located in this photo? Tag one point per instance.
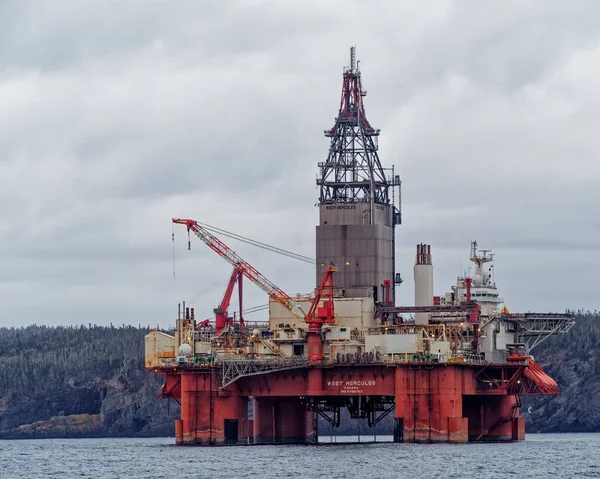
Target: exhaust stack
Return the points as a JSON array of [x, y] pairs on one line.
[[423, 281]]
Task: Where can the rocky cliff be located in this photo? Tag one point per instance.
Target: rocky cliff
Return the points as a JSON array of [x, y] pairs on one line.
[[79, 382], [573, 361]]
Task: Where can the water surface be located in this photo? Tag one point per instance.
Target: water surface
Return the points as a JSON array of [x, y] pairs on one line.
[[540, 456]]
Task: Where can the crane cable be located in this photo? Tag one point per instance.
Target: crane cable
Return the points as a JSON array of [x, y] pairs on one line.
[[244, 239], [259, 244], [254, 309]]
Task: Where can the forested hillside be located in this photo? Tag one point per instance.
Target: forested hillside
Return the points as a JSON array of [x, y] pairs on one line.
[[573, 361], [78, 381], [90, 381]]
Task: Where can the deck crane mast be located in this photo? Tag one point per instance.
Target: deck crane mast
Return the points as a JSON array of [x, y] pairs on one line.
[[243, 266], [316, 316], [222, 311]]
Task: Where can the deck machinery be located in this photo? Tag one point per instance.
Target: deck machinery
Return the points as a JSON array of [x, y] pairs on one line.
[[450, 368]]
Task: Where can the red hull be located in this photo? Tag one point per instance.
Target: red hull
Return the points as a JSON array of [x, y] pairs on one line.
[[433, 403]]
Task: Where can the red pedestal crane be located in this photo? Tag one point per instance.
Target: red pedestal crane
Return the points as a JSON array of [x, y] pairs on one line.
[[319, 315], [316, 317]]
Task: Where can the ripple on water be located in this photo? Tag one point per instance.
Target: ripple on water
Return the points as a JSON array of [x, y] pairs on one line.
[[540, 456]]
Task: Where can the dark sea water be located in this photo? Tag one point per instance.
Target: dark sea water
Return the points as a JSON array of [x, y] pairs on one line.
[[541, 455]]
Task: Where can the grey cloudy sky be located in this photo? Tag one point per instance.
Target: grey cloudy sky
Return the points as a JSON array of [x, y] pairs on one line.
[[116, 116]]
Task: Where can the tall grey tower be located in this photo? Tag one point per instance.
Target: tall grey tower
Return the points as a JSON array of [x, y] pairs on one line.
[[359, 206]]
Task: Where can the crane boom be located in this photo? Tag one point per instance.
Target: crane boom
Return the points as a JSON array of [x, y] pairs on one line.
[[246, 268]]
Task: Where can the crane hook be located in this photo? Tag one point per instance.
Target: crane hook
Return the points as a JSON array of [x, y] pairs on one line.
[[189, 242]]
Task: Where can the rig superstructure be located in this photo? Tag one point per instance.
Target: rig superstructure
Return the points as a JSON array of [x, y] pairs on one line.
[[452, 373]]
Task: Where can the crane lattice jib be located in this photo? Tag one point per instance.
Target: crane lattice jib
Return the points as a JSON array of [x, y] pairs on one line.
[[246, 268]]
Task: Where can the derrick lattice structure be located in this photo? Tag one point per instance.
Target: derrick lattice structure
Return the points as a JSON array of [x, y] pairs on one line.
[[352, 172]]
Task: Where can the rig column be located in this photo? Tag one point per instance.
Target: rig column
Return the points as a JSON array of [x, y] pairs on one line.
[[211, 417], [429, 405], [291, 417], [264, 424], [282, 420], [495, 418], [178, 431], [402, 423], [449, 408]]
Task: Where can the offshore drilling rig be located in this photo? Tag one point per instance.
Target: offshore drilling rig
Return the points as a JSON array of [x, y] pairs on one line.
[[453, 372]]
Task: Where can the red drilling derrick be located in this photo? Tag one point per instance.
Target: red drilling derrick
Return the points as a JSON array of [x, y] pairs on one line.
[[351, 103], [353, 172]]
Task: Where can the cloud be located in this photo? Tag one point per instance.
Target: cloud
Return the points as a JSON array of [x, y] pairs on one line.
[[116, 117]]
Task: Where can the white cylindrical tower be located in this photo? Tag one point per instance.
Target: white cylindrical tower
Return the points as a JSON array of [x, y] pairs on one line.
[[423, 282]]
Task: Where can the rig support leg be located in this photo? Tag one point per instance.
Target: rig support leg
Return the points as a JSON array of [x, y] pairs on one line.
[[264, 425], [494, 419], [503, 422], [403, 423], [282, 420], [291, 421], [178, 431], [398, 430], [210, 418], [429, 406]]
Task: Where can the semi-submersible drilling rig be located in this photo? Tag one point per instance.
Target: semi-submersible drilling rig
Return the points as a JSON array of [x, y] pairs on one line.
[[452, 373]]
